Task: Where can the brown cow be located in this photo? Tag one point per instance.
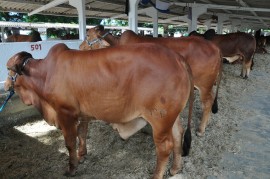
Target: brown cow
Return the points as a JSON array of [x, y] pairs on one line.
[[116, 85], [34, 37], [202, 56], [234, 46], [261, 44]]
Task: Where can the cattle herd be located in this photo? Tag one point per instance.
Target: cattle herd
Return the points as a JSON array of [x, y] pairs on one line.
[[129, 81]]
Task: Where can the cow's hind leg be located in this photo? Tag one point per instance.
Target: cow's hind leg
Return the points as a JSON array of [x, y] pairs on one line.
[[207, 99], [246, 66], [163, 139], [177, 146], [69, 130], [82, 134]]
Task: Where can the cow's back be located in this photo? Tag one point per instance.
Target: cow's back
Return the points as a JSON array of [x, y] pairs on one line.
[[198, 52], [202, 56], [235, 43]]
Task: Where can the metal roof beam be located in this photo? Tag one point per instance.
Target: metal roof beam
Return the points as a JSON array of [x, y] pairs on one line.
[[141, 11], [254, 13], [107, 2], [47, 6], [244, 16], [210, 2], [22, 2], [235, 8]]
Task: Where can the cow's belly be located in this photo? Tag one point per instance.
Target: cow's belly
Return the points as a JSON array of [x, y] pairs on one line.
[[111, 114], [126, 130], [233, 58]]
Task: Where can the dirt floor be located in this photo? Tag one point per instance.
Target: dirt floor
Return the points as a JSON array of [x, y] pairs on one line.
[[29, 148]]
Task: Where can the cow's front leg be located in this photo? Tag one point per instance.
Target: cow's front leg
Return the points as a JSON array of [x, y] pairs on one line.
[[69, 130], [82, 134]]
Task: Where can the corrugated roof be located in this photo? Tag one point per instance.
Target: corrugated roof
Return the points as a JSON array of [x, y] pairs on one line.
[[109, 8]]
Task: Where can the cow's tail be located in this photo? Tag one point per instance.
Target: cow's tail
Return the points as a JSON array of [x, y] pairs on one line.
[[187, 136], [215, 103]]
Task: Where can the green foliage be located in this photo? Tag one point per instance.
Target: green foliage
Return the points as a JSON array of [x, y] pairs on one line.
[[92, 21], [148, 25], [11, 16], [21, 17], [51, 19], [113, 22]]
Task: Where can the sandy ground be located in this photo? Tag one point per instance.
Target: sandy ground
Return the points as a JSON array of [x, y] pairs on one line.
[[29, 148]]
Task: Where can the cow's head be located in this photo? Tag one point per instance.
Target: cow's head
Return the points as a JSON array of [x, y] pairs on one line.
[[95, 39], [17, 62], [15, 67]]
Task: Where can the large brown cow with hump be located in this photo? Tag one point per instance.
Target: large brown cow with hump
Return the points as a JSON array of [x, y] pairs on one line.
[[203, 57], [116, 85]]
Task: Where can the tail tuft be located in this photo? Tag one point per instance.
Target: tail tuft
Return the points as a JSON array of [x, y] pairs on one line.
[[187, 142], [215, 106]]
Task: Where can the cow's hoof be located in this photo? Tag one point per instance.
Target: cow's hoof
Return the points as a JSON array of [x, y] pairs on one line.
[[70, 173], [200, 134], [81, 159], [173, 172]]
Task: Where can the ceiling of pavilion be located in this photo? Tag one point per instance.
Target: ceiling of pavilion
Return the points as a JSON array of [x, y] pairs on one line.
[[255, 13]]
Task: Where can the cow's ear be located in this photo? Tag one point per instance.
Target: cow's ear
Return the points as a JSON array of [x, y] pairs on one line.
[[99, 27], [25, 55], [105, 44], [18, 69]]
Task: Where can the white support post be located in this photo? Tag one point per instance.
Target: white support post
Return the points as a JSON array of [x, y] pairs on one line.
[[207, 23], [196, 11], [133, 15], [155, 25], [221, 19], [152, 12], [166, 29], [2, 34], [80, 6]]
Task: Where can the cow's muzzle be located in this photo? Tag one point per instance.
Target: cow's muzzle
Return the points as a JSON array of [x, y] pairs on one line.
[[10, 82], [10, 86]]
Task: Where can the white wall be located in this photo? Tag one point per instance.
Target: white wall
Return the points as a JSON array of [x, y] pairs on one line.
[[37, 49]]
